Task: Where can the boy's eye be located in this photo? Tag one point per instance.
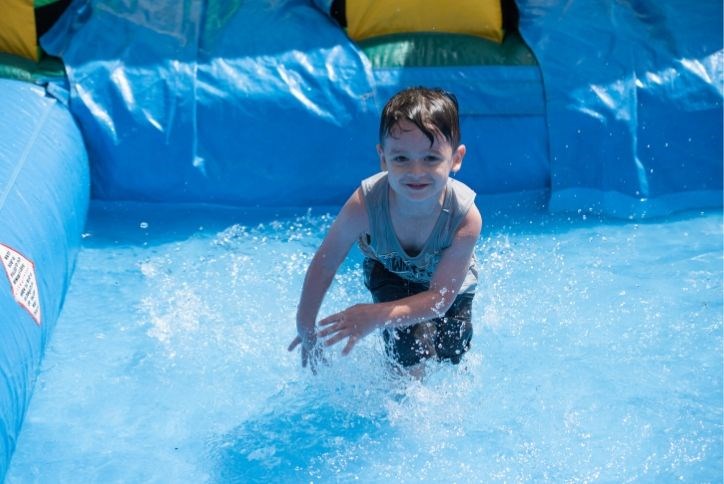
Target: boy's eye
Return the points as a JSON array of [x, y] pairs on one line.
[[432, 158], [428, 159]]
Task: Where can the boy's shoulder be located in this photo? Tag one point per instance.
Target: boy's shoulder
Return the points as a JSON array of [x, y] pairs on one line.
[[462, 195], [460, 189], [373, 182]]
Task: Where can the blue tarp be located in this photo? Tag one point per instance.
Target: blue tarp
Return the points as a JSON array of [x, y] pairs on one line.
[[634, 102], [237, 102], [265, 103], [270, 103], [44, 192], [260, 102]]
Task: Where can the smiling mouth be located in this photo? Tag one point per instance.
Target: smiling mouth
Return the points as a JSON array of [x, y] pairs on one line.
[[417, 186]]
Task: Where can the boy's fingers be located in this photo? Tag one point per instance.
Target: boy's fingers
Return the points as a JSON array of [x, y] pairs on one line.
[[350, 344], [327, 331], [330, 319], [314, 361], [295, 343], [335, 339]]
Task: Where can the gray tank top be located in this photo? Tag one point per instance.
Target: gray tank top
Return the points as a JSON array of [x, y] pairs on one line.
[[382, 245]]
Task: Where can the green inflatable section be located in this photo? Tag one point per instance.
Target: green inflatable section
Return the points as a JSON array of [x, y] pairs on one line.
[[445, 50], [22, 69]]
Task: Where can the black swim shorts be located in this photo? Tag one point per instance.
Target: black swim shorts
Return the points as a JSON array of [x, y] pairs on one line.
[[446, 338]]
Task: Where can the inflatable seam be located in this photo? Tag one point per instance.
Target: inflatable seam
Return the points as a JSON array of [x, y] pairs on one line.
[[24, 156]]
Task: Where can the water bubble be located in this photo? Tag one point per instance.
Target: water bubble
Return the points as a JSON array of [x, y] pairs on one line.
[[143, 225]]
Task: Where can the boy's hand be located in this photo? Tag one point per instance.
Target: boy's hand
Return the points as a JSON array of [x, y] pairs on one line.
[[311, 351], [354, 323]]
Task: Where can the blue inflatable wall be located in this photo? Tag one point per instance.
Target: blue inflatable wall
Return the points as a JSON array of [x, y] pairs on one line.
[[633, 101], [261, 102], [44, 191]]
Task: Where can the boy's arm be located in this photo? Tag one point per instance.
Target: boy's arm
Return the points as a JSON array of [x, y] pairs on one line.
[[349, 224], [357, 321]]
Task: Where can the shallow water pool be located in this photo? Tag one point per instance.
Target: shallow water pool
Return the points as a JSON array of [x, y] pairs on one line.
[[597, 355]]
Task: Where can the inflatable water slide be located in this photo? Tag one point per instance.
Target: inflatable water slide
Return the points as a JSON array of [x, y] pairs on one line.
[[610, 108]]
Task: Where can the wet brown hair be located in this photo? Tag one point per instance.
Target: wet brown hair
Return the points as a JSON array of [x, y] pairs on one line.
[[434, 111]]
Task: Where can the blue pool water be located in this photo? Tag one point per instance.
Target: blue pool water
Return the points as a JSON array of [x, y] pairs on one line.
[[597, 356]]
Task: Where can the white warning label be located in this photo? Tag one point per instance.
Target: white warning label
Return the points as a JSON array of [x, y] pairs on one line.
[[21, 274]]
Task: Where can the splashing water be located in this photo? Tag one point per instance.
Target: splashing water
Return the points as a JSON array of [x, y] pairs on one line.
[[597, 355]]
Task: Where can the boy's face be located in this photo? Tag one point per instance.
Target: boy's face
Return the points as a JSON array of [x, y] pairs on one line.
[[417, 171]]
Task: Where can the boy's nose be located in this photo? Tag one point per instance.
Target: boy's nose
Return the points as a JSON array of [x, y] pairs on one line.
[[417, 167]]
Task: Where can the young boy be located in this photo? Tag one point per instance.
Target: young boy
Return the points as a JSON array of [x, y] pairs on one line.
[[417, 228]]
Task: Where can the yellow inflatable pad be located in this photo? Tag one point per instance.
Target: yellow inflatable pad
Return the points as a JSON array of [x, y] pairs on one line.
[[372, 18], [17, 28]]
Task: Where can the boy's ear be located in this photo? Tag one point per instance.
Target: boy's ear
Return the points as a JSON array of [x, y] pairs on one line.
[[457, 158], [381, 154]]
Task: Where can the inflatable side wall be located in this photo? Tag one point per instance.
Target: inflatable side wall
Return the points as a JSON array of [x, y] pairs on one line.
[[44, 192]]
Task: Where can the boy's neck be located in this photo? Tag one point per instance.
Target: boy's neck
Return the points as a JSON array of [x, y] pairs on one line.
[[417, 209]]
